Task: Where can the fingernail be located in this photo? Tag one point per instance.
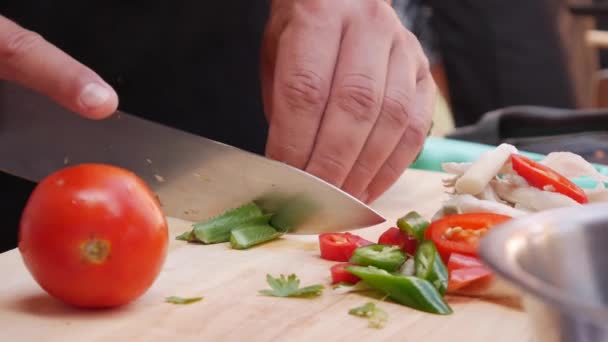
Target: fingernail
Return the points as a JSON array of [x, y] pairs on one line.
[[94, 95]]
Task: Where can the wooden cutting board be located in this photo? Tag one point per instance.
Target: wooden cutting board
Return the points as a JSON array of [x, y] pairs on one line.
[[232, 309]]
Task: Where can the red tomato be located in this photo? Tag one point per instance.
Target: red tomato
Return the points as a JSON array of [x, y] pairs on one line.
[[462, 277], [340, 246], [540, 176], [461, 233], [340, 275], [395, 237], [93, 235]]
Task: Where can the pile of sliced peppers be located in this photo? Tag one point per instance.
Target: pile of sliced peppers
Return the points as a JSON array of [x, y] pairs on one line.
[[408, 264], [243, 227], [386, 266]]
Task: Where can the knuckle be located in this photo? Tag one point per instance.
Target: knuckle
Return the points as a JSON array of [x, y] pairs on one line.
[[364, 168], [17, 44], [288, 153], [357, 95], [392, 171], [415, 135], [424, 66], [372, 8], [395, 108], [329, 162], [305, 91], [409, 38]]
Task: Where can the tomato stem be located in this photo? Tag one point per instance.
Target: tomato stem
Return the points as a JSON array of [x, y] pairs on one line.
[[95, 251]]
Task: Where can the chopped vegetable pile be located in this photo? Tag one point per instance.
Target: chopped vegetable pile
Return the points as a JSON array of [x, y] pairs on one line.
[[404, 264], [243, 227], [417, 262], [505, 182]]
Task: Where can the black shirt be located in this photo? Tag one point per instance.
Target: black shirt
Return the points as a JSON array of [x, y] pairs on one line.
[[193, 65]]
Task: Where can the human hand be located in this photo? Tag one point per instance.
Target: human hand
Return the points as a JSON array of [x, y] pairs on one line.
[[347, 92], [26, 58]]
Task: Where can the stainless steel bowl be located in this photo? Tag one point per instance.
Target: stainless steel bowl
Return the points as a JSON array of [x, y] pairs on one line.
[[559, 261]]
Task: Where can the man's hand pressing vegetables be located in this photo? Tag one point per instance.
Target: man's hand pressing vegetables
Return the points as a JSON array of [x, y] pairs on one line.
[[347, 92]]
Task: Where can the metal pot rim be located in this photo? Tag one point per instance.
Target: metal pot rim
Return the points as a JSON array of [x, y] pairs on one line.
[[500, 246]]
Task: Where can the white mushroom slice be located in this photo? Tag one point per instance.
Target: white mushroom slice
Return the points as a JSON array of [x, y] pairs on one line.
[[489, 164], [532, 198], [488, 194], [469, 204], [572, 165], [515, 180], [457, 169], [597, 196]]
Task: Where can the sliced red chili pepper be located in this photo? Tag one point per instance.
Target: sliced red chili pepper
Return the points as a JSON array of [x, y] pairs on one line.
[[395, 237], [462, 277], [461, 233], [340, 246], [541, 176], [339, 274], [458, 261]]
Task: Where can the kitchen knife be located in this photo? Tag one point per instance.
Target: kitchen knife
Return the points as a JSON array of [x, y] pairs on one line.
[[195, 178]]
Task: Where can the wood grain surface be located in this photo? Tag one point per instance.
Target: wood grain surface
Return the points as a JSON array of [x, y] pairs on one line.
[[232, 309]]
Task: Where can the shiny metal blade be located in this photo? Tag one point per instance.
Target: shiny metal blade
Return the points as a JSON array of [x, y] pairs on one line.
[[195, 178]]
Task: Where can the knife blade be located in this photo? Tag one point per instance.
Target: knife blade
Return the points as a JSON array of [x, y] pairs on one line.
[[194, 177]]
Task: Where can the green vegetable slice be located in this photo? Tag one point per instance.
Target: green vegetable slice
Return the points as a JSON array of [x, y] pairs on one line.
[[411, 291], [376, 316], [290, 287], [182, 300], [413, 224], [429, 266], [218, 229], [386, 257], [187, 236], [247, 236]]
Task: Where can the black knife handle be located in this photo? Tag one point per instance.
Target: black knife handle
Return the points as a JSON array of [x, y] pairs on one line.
[[532, 121]]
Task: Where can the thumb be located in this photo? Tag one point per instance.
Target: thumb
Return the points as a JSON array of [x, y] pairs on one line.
[[28, 59]]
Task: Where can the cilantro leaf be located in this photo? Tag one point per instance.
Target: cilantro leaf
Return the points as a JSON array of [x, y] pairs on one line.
[[290, 287], [376, 316], [181, 300]]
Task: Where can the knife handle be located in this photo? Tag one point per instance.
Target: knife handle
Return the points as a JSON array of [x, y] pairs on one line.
[[531, 121]]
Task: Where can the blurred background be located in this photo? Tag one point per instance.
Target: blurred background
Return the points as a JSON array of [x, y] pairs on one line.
[[532, 73]]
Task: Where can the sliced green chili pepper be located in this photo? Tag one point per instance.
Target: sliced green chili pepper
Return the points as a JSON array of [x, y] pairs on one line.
[[248, 236], [429, 266], [410, 291], [413, 224], [386, 257], [186, 236], [218, 229]]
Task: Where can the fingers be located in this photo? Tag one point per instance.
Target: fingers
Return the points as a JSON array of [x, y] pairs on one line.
[[411, 141], [267, 71], [26, 58], [306, 56], [397, 105], [355, 100]]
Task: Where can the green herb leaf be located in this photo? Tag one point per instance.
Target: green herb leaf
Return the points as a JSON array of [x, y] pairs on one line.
[[181, 300], [290, 287], [376, 316]]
